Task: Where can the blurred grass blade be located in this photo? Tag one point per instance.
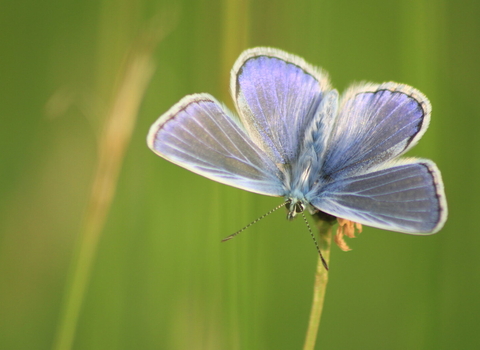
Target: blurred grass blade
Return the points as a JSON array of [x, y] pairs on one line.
[[235, 39], [113, 143]]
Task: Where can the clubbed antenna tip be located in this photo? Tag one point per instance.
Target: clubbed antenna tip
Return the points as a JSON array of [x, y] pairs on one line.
[[254, 222]]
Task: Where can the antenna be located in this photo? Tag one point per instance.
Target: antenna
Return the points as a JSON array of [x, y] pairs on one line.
[[314, 240], [255, 221]]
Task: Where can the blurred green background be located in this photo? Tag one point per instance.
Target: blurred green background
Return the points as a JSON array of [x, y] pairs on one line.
[[160, 279]]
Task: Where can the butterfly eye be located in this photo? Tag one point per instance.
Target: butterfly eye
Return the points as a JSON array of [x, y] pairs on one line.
[[299, 207], [294, 209]]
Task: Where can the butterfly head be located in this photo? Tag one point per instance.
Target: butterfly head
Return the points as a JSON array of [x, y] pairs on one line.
[[294, 207]]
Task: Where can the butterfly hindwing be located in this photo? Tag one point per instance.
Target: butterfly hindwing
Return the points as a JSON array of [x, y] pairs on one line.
[[199, 135], [405, 195]]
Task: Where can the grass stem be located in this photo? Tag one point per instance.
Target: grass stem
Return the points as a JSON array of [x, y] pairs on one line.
[[324, 225], [112, 146]]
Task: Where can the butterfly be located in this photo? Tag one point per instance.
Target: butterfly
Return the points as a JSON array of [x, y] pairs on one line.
[[293, 136]]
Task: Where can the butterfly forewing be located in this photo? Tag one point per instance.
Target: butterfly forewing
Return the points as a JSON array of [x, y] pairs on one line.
[[375, 123], [277, 95]]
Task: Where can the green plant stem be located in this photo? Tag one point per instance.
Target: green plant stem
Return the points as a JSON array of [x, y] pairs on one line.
[[324, 225]]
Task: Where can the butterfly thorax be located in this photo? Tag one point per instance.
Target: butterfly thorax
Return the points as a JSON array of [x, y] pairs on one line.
[[301, 179], [296, 199]]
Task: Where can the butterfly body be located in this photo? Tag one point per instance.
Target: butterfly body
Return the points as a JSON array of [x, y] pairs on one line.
[[301, 172], [295, 137]]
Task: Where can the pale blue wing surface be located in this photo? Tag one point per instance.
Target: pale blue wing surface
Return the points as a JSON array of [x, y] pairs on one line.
[[375, 123], [277, 95], [405, 196], [199, 135]]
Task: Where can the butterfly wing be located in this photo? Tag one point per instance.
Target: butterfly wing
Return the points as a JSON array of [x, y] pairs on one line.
[[375, 123], [361, 181], [406, 196], [277, 96], [200, 135]]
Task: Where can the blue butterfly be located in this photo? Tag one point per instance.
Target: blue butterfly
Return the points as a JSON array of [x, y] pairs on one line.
[[295, 137]]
